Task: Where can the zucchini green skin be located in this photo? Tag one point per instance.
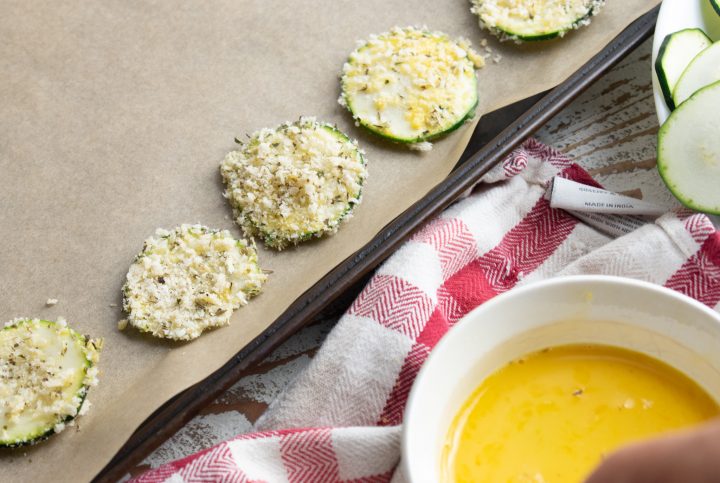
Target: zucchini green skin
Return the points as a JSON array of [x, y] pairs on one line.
[[662, 163], [507, 34], [715, 5], [662, 80], [660, 71], [42, 434]]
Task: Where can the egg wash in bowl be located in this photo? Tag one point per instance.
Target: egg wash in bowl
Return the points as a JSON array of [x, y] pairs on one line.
[[628, 360], [553, 415]]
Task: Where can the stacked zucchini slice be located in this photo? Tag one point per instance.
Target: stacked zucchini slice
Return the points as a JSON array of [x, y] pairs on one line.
[[689, 150], [676, 52], [688, 71], [703, 70]]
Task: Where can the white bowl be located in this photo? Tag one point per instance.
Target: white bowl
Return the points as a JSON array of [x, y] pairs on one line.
[[585, 309], [677, 15]]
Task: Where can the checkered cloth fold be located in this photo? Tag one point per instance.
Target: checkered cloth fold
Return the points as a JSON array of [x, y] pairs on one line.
[[340, 420]]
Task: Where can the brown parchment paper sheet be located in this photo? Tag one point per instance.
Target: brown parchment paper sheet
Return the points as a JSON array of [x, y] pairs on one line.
[[114, 117]]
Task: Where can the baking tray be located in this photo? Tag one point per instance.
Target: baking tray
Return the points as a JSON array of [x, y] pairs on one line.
[[495, 136]]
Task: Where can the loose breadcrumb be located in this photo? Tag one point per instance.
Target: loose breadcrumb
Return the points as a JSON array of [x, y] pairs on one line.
[[424, 146], [51, 302]]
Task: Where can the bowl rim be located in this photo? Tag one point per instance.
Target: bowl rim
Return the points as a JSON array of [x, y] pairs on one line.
[[507, 297]]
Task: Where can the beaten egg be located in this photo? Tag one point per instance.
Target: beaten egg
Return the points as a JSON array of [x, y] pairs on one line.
[[553, 415]]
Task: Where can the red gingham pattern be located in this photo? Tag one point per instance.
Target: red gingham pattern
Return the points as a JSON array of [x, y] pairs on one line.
[[404, 314], [698, 277], [453, 242], [394, 303], [309, 456]]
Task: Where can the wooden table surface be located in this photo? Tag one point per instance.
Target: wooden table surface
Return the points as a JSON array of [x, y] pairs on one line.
[[610, 130]]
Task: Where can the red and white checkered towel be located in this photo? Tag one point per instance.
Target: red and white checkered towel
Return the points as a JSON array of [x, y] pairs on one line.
[[340, 419]]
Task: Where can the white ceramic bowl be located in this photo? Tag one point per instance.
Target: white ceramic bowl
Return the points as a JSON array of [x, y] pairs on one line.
[[677, 15], [585, 309]]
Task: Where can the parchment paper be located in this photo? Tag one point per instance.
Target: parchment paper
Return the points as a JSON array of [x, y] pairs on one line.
[[114, 118]]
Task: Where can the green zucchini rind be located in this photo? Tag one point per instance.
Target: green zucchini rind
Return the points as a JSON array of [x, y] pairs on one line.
[[677, 51], [46, 370], [188, 280], [533, 20], [294, 182], [411, 85], [689, 151], [715, 5]]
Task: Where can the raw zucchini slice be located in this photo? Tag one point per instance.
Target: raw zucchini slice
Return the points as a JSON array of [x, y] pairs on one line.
[[689, 151], [411, 85], [46, 369], [294, 182], [703, 70], [716, 5], [534, 19], [676, 52], [190, 279]]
